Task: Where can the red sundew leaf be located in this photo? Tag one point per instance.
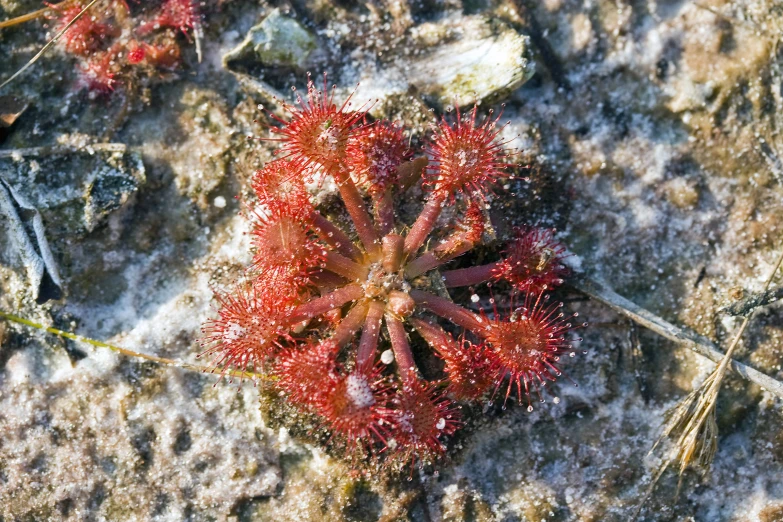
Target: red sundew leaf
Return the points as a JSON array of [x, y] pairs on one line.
[[136, 53], [281, 182], [355, 408], [525, 343], [177, 14], [470, 372], [250, 326], [533, 261], [376, 154], [318, 132], [465, 159], [286, 248], [424, 417], [307, 371]]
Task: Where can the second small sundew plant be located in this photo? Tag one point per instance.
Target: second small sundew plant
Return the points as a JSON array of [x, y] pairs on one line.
[[116, 42], [330, 311]]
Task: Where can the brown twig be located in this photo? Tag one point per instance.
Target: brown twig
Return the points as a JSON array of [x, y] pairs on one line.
[[746, 305]]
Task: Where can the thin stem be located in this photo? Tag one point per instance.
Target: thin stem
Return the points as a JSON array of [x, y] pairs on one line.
[[754, 300], [358, 212], [392, 253], [410, 172], [449, 249], [323, 304], [401, 348], [448, 310], [350, 324], [424, 224], [470, 276], [368, 344], [383, 207], [334, 236], [435, 336], [343, 266], [125, 351]]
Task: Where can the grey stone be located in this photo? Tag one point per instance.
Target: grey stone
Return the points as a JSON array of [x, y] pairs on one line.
[[278, 40]]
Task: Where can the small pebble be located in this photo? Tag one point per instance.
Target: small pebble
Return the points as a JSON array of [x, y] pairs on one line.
[[387, 357]]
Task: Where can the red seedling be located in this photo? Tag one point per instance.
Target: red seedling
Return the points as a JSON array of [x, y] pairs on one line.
[[165, 56], [136, 52], [98, 73], [465, 158], [318, 132]]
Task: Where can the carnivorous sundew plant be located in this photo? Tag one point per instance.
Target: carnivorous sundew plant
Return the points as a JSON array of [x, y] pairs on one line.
[[329, 311], [119, 42]]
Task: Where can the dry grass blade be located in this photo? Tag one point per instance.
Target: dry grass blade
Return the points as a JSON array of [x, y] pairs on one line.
[[130, 353], [48, 45], [700, 345], [25, 18]]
